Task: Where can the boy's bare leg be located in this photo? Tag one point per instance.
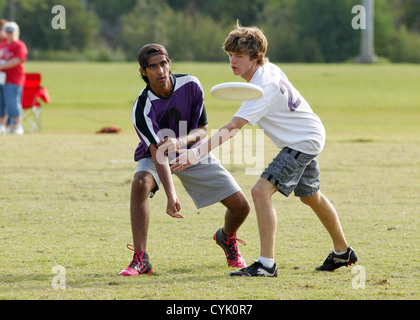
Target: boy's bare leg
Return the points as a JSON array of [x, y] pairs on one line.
[[329, 218], [266, 216], [142, 185], [237, 211]]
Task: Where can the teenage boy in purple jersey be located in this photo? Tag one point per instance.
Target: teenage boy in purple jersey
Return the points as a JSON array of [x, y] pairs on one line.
[[169, 114], [289, 121]]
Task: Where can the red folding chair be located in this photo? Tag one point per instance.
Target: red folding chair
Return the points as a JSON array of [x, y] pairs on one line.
[[31, 104]]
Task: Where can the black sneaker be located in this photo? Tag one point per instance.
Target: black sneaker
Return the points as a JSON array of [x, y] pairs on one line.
[[256, 270], [335, 261], [229, 244]]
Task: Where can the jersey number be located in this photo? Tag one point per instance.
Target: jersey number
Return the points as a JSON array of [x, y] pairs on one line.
[[284, 87]]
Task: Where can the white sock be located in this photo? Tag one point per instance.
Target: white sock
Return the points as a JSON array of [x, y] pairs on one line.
[[268, 263], [338, 253]]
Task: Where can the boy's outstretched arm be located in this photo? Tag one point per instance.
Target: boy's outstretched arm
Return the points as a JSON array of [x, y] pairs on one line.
[[187, 157]]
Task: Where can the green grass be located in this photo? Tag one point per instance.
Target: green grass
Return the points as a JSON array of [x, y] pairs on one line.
[[65, 191]]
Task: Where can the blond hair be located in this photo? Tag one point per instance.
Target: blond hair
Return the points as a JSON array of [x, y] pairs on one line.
[[248, 40]]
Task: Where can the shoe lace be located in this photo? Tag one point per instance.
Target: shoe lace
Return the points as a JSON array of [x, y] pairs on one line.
[[137, 257], [330, 258], [253, 267], [232, 241]]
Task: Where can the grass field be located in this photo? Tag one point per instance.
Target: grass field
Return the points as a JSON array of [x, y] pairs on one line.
[[64, 196]]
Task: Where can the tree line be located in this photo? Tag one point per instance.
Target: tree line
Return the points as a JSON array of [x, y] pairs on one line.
[[194, 30]]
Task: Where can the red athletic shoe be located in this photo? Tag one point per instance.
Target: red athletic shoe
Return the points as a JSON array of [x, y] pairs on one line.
[[228, 242], [139, 265]]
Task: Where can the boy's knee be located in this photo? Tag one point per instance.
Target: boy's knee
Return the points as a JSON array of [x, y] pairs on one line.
[[310, 201], [245, 207], [142, 184], [242, 205], [257, 191], [238, 204], [305, 200], [262, 190]]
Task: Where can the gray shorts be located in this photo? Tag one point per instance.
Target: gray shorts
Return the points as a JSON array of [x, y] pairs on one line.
[[294, 171], [207, 182]]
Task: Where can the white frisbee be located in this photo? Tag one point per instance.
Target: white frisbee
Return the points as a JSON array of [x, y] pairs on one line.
[[236, 91]]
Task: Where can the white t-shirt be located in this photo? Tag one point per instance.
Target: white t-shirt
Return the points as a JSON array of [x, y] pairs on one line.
[[285, 116]]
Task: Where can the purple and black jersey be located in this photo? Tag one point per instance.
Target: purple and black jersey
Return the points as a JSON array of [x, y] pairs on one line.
[[155, 118]]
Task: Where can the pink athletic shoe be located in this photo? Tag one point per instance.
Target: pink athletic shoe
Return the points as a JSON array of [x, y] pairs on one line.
[[228, 242], [139, 265]]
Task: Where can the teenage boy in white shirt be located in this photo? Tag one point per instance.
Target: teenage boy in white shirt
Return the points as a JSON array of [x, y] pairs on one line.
[[289, 121]]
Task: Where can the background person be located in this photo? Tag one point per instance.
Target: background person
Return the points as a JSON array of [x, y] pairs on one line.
[[2, 74], [14, 53]]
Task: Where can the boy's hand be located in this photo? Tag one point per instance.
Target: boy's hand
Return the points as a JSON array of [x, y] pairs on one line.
[[186, 158], [173, 207], [168, 145]]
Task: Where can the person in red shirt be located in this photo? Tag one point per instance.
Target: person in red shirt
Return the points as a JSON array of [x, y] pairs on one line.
[[13, 53]]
